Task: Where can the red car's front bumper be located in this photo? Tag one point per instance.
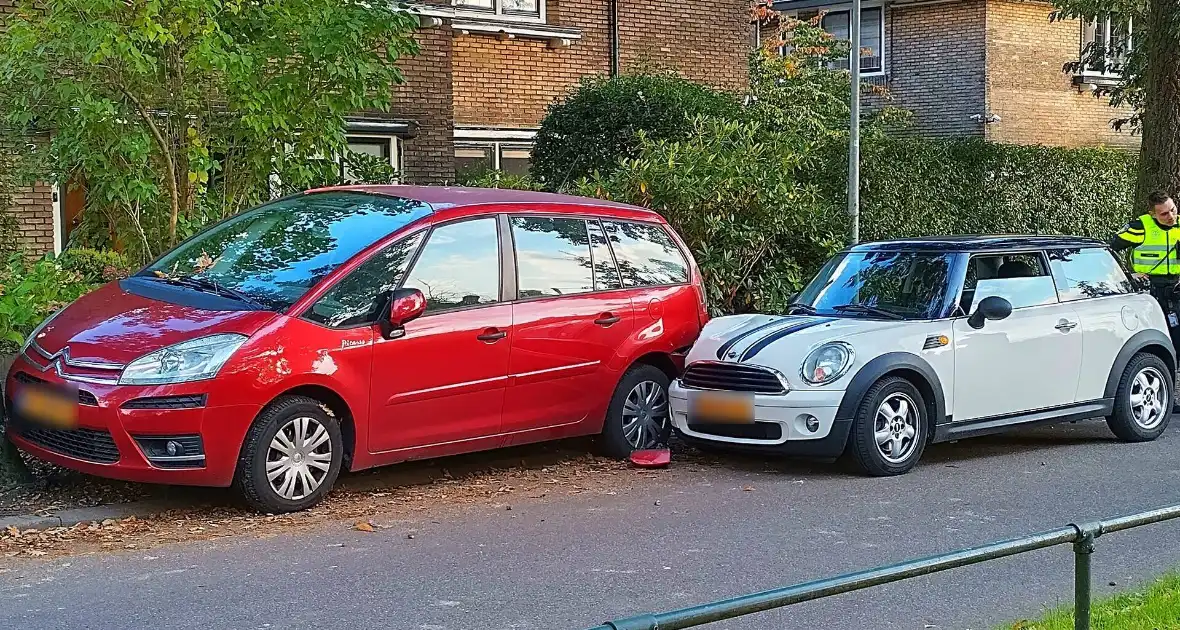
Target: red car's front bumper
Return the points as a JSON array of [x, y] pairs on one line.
[[113, 439]]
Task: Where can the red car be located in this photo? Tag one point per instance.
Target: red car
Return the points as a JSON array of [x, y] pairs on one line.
[[362, 326]]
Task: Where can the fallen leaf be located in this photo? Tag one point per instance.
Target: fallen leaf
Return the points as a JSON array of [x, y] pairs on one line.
[[748, 489], [14, 532], [363, 526], [204, 262]]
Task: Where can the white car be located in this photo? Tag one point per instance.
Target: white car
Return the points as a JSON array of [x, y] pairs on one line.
[[896, 345]]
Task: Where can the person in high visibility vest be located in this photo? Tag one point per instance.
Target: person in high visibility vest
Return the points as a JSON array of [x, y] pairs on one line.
[[1153, 242]]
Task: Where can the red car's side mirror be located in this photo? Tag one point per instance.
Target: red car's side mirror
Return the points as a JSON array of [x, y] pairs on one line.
[[405, 305]]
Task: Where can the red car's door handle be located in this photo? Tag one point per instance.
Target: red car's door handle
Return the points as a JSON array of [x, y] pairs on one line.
[[607, 319], [492, 335]]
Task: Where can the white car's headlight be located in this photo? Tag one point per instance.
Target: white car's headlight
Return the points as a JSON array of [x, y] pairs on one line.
[[193, 360], [827, 363], [37, 331]]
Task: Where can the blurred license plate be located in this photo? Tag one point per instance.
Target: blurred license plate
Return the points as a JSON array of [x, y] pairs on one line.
[[48, 407], [720, 408]]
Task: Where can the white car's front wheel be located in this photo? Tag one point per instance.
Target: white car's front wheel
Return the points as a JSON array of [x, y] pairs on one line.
[[890, 428], [1143, 401]]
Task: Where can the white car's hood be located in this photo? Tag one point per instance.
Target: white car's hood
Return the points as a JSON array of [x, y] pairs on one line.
[[777, 341]]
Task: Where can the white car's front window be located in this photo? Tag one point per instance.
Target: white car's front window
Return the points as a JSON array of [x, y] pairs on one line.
[[886, 284]]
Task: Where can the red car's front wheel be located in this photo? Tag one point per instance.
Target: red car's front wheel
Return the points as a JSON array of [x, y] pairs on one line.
[[291, 457]]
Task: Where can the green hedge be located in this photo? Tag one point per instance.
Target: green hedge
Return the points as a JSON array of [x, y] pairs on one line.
[[761, 210], [922, 186]]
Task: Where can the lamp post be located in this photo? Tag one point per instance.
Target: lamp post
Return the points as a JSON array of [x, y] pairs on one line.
[[854, 128]]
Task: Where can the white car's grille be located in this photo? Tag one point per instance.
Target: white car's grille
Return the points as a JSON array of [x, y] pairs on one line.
[[735, 377]]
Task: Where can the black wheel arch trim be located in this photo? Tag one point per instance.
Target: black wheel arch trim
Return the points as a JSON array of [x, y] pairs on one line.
[[1134, 345], [883, 365]]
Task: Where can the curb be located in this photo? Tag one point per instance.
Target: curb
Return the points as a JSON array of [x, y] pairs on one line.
[[71, 517]]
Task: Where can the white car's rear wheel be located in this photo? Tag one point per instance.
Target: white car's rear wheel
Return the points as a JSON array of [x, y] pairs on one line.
[[1143, 401], [890, 428]]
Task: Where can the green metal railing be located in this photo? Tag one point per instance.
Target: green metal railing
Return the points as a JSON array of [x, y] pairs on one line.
[[1081, 536]]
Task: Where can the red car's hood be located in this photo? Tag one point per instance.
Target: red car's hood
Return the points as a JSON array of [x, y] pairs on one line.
[[110, 325]]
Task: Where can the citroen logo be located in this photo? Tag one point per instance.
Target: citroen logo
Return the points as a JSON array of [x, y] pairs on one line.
[[60, 360]]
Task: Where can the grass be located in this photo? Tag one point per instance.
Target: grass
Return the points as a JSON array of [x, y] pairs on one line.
[[1155, 608]]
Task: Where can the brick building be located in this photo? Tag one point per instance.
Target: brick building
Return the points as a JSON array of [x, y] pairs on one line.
[[486, 73], [990, 68]]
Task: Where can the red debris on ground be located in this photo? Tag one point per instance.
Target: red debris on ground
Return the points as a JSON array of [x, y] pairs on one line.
[[651, 458]]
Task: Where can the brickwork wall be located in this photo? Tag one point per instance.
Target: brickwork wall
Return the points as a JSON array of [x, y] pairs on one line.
[[426, 97], [936, 63], [510, 83], [1036, 101], [705, 40], [32, 208]]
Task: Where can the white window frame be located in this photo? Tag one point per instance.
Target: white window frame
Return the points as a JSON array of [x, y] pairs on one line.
[[497, 12], [393, 141], [1107, 21], [847, 8], [495, 139]]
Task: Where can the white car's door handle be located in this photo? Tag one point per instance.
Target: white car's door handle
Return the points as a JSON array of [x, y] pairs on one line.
[[1065, 325]]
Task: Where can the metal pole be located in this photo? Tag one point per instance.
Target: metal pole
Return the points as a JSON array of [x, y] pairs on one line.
[[1083, 549], [854, 127]]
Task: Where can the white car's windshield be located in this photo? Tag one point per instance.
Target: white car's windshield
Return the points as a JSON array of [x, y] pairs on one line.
[[880, 284]]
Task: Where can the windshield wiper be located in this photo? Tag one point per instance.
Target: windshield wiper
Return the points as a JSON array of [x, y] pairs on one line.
[[209, 286], [868, 310], [802, 308]]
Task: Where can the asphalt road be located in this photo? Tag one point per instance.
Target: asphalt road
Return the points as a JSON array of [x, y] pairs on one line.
[[575, 561]]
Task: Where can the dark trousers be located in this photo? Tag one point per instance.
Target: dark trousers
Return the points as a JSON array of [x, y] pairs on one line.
[[1164, 290]]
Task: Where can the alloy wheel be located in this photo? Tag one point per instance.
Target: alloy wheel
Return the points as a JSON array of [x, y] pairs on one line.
[[896, 427], [299, 458], [645, 414], [1149, 398]]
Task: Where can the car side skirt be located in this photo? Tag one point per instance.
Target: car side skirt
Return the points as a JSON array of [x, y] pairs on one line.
[[995, 424]]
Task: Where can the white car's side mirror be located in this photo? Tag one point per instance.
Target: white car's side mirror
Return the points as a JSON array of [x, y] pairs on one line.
[[993, 307]]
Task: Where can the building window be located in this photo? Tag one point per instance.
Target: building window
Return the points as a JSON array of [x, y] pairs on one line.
[[384, 148], [872, 35], [479, 150], [529, 9], [1105, 44], [476, 158]]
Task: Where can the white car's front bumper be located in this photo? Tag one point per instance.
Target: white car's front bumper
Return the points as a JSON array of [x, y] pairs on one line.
[[788, 413]]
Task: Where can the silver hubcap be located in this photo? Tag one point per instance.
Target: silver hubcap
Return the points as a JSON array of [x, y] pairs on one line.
[[1149, 398], [298, 458], [645, 414], [896, 427]]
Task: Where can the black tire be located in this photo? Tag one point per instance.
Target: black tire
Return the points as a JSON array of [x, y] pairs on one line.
[[862, 444], [251, 475], [1124, 422], [613, 441]]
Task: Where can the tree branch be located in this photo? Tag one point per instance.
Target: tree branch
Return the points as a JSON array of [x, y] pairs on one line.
[[165, 150]]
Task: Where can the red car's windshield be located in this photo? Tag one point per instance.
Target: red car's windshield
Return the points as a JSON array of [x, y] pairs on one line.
[[271, 255]]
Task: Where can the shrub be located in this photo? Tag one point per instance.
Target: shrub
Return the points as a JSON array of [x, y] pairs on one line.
[[922, 186], [761, 212], [599, 123], [30, 292], [500, 179], [94, 265], [732, 191]]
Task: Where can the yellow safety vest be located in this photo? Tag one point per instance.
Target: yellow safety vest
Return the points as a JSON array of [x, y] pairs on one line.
[[1155, 248]]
